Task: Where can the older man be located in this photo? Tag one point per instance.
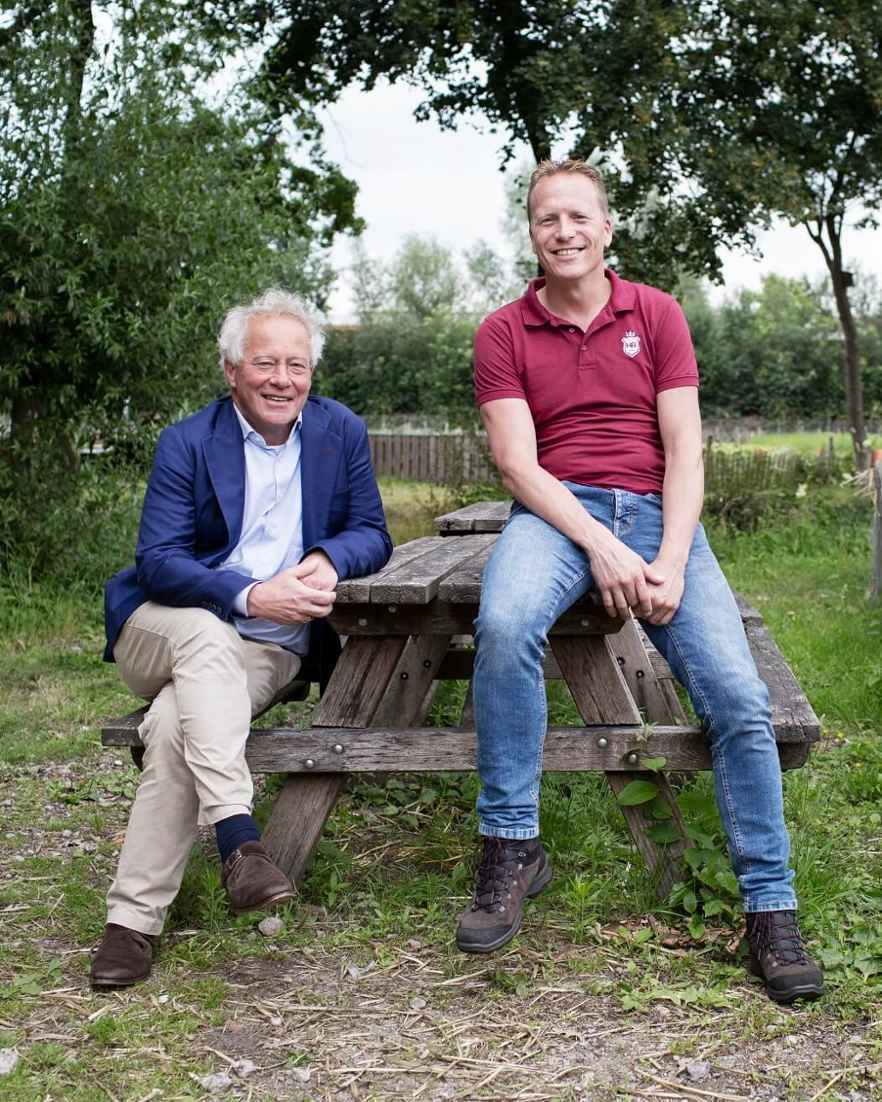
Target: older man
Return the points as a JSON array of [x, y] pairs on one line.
[[588, 390], [256, 507]]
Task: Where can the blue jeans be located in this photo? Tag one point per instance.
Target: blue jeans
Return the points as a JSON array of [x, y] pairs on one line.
[[534, 574]]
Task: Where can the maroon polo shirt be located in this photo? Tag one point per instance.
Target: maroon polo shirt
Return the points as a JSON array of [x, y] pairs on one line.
[[592, 394]]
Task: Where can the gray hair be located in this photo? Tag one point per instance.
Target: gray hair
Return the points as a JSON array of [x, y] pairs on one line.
[[274, 303]]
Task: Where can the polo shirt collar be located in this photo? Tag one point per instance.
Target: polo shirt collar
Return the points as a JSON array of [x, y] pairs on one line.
[[248, 430], [623, 297]]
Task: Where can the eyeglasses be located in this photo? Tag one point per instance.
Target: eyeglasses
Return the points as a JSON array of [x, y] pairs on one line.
[[295, 369]]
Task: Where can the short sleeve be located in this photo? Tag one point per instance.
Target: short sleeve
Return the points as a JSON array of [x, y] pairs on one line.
[[675, 363], [496, 373]]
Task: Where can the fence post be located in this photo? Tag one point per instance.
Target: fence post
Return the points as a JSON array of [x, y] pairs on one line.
[[876, 577]]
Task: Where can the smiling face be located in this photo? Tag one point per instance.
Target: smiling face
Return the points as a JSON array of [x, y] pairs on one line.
[[271, 384], [569, 226]]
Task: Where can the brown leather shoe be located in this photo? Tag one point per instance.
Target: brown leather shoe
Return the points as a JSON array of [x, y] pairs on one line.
[[252, 882], [124, 957]]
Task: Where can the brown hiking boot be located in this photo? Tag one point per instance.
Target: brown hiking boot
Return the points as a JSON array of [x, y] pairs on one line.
[[124, 957], [778, 956], [510, 871], [252, 882]]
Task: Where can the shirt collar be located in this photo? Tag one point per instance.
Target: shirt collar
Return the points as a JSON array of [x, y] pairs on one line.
[[249, 432], [622, 297]]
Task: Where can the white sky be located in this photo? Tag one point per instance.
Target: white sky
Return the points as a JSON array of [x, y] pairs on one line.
[[414, 177]]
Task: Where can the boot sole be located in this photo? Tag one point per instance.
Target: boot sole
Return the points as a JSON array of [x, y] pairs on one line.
[[265, 904], [784, 998], [543, 879]]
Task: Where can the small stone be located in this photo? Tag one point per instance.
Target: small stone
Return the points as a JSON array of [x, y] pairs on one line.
[[243, 1067], [413, 943], [8, 1060], [352, 971], [418, 1003], [271, 926], [302, 1074], [220, 1081], [88, 847], [696, 1070]]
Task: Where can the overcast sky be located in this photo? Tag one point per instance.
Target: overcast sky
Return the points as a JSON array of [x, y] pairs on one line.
[[414, 177]]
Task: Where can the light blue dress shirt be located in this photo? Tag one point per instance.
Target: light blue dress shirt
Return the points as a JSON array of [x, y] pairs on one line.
[[272, 530]]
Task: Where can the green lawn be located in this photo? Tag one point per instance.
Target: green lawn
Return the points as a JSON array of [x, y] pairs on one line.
[[370, 940]]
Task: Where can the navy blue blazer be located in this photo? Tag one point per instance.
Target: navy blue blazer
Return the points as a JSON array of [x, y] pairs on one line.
[[192, 515]]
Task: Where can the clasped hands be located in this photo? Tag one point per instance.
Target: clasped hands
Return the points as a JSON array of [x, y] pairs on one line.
[[298, 594], [653, 591]]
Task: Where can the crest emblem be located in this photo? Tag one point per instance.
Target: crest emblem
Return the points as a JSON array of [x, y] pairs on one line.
[[630, 344]]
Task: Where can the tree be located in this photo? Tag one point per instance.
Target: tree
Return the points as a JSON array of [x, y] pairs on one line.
[[777, 109], [131, 211]]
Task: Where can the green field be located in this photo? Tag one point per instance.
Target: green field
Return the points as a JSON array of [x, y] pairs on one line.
[[370, 941]]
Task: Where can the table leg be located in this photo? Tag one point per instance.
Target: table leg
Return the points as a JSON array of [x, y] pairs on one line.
[[600, 688], [377, 682]]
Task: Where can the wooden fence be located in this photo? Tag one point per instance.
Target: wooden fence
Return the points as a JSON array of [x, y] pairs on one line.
[[448, 459], [454, 459]]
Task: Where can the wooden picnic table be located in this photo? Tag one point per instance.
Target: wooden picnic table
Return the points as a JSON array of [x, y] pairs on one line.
[[410, 625]]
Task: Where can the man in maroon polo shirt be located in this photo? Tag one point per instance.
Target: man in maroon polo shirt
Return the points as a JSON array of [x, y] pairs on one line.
[[588, 388]]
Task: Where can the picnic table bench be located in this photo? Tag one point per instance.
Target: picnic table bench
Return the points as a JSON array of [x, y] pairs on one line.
[[409, 626]]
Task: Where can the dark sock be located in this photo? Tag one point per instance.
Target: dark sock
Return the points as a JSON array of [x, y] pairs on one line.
[[232, 832]]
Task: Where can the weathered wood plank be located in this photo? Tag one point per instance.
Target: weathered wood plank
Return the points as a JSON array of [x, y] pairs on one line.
[[440, 618], [298, 817], [358, 590], [403, 700], [446, 749], [358, 683], [595, 680], [792, 714], [490, 515], [463, 585], [416, 582], [663, 861], [657, 705]]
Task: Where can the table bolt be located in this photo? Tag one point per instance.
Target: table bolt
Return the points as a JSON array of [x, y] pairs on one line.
[[585, 623], [620, 660], [603, 742], [338, 748], [393, 608], [405, 675], [632, 758], [310, 763], [641, 673], [362, 623], [427, 664]]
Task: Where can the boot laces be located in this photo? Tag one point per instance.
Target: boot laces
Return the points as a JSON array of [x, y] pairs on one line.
[[780, 936], [493, 880]]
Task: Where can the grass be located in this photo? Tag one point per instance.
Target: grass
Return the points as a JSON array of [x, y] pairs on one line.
[[370, 939], [807, 444]]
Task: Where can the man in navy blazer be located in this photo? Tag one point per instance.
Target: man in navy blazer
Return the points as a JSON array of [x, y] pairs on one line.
[[256, 507]]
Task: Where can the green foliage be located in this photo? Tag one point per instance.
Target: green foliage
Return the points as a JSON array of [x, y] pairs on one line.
[[133, 210]]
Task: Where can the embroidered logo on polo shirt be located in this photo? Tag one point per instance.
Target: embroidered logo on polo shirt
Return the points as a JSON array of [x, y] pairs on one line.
[[630, 343]]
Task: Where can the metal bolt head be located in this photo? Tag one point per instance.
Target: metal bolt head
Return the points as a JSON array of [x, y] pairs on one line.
[[338, 748], [362, 623], [585, 623], [393, 608], [405, 675], [309, 763], [603, 742], [632, 758]]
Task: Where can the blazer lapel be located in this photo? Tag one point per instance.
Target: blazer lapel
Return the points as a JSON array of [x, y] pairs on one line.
[[319, 457], [225, 459]]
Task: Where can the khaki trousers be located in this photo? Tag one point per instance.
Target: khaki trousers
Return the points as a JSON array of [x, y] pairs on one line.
[[205, 682]]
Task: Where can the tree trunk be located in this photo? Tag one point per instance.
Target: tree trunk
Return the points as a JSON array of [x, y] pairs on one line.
[[842, 280]]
